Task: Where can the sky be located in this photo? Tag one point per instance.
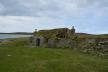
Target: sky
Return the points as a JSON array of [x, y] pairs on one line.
[[88, 16]]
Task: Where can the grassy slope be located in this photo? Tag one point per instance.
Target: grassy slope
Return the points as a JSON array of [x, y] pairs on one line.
[[25, 59], [94, 36]]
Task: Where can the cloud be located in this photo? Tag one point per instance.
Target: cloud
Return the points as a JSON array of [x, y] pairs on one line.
[[51, 7], [30, 14], [26, 23]]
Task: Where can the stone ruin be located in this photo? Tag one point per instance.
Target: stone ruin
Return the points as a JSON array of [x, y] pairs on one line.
[[67, 38], [61, 38]]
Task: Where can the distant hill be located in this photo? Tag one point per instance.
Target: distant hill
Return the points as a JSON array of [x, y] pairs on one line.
[[84, 35], [22, 33]]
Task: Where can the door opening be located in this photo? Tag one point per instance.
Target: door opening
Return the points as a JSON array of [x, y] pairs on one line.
[[37, 42]]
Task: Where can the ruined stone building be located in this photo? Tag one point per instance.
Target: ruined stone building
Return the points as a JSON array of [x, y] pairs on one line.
[[68, 38], [61, 37], [64, 38]]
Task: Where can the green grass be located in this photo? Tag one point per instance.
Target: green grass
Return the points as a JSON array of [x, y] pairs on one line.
[[24, 59]]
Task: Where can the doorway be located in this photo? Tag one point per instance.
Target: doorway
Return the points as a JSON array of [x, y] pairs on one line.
[[37, 42]]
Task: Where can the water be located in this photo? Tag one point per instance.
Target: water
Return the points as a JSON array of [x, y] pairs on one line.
[[5, 36]]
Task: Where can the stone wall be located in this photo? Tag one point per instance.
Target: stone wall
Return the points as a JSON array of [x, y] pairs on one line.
[[88, 45], [63, 43], [97, 46], [35, 42]]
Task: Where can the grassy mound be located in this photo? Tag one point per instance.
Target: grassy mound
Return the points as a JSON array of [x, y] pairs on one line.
[[23, 59]]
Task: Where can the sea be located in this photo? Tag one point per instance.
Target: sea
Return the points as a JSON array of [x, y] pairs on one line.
[[6, 36]]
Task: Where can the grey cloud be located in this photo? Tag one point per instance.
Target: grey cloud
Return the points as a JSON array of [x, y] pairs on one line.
[[27, 7], [48, 7]]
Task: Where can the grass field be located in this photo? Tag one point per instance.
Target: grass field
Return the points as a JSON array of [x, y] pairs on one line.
[[24, 59]]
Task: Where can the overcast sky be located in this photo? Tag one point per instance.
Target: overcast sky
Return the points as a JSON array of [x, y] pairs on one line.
[[88, 16]]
